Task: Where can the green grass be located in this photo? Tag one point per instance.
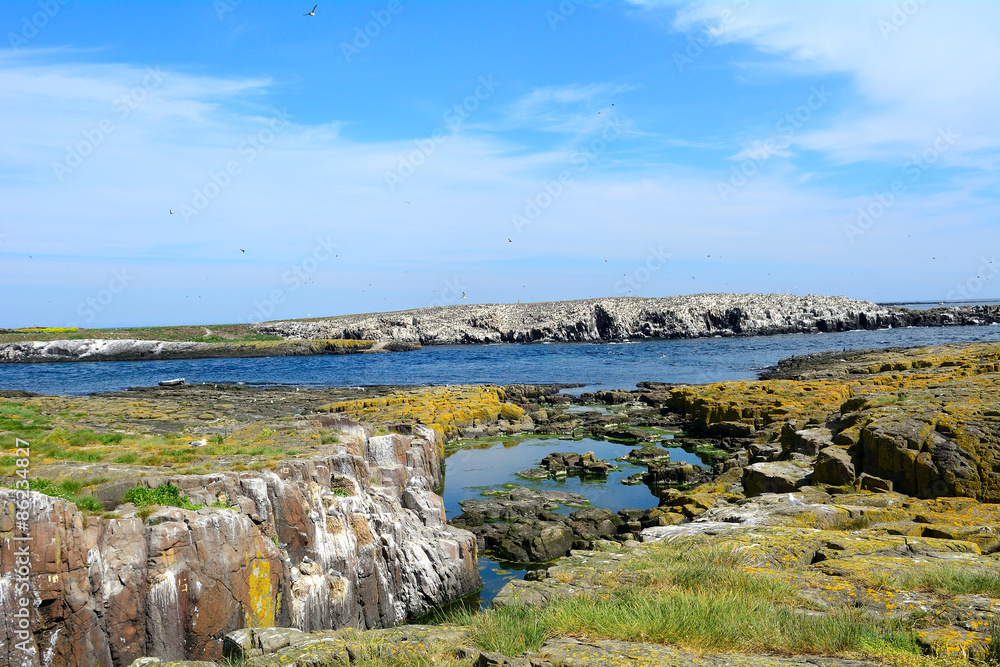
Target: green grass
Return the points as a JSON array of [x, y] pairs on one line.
[[69, 490], [947, 579], [239, 339], [165, 494], [697, 599], [217, 333], [844, 522]]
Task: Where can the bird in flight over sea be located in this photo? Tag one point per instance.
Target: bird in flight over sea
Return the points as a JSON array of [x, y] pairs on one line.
[[311, 13], [242, 250], [509, 241], [171, 211]]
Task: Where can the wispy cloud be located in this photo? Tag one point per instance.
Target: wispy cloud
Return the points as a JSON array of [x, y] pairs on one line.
[[569, 109], [913, 69]]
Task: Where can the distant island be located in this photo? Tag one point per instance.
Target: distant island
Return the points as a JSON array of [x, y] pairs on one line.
[[627, 318], [586, 320]]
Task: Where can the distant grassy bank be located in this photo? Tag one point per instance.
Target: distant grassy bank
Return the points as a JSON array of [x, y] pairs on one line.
[[212, 333]]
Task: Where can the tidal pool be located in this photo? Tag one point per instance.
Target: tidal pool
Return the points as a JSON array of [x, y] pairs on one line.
[[490, 465]]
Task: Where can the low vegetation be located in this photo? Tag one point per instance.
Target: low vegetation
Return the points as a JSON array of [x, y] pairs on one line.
[[212, 333], [165, 494], [52, 437], [699, 599], [69, 490]]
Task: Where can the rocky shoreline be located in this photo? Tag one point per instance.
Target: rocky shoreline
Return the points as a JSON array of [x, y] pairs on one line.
[[860, 490], [627, 318], [93, 349]]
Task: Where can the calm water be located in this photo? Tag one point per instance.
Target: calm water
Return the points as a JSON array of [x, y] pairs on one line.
[[927, 305], [614, 365], [469, 472]]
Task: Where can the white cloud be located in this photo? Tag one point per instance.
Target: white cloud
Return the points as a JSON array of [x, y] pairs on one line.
[[569, 109], [918, 66]]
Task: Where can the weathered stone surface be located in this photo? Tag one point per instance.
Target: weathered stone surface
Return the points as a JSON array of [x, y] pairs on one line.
[[920, 460], [571, 463], [869, 483], [520, 526], [107, 591], [648, 454], [776, 477], [833, 466], [118, 349], [809, 441], [620, 318], [675, 473], [762, 452]]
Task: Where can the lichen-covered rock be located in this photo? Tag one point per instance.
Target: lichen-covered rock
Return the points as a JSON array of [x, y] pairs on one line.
[[95, 349], [775, 477], [620, 318], [920, 460], [349, 538], [833, 466]]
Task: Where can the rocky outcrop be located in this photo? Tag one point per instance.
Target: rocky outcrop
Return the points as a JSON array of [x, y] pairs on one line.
[[833, 466], [622, 318], [350, 538], [775, 477], [520, 526], [560, 464], [142, 350]]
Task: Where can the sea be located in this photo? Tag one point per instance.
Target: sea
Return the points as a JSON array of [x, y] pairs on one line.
[[592, 365], [470, 471]]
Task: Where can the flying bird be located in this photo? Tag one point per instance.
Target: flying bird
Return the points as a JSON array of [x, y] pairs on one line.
[[463, 295], [313, 12], [171, 211], [242, 250], [509, 241]]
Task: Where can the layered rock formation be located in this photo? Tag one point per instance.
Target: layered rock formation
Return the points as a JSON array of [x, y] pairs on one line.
[[925, 420], [93, 349], [354, 537], [622, 318]]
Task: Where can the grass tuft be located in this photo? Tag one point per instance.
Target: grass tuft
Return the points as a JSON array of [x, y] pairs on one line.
[[165, 494]]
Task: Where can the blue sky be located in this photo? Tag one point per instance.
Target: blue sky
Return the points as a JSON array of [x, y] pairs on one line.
[[390, 155]]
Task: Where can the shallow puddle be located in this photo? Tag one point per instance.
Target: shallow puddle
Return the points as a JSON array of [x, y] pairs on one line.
[[489, 466]]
